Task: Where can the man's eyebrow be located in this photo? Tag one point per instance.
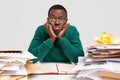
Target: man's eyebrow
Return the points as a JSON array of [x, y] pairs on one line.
[[62, 16]]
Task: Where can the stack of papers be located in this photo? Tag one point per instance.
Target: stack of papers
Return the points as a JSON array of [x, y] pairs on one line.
[[12, 63], [103, 59], [99, 58], [103, 53]]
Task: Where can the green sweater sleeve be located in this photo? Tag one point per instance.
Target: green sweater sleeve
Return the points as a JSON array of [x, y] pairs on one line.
[[72, 49], [38, 47]]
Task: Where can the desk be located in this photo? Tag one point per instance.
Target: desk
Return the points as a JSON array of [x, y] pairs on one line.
[[54, 75]]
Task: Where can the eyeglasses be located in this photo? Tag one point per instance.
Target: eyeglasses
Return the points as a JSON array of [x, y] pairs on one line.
[[62, 20]]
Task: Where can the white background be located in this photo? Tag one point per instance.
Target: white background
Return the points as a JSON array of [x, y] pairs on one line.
[[20, 18]]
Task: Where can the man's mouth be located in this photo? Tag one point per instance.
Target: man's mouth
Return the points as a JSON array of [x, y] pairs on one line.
[[57, 28]]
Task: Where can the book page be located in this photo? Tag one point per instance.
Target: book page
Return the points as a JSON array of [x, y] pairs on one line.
[[65, 68], [46, 68]]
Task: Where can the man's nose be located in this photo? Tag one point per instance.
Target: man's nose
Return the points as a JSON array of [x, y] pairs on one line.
[[57, 21]]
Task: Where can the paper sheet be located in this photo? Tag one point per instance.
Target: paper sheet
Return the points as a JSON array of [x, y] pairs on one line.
[[2, 64], [4, 77], [24, 54], [85, 73], [31, 68], [21, 71], [18, 78], [114, 66], [65, 68], [11, 68]]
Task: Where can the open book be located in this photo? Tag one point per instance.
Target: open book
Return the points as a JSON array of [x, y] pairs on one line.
[[55, 68]]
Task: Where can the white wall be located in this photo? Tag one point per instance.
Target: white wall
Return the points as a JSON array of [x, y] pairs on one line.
[[20, 18]]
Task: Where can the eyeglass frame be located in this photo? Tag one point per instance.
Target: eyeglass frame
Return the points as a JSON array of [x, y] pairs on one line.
[[62, 20]]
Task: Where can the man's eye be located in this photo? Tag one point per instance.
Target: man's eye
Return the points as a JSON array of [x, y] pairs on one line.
[[52, 19], [63, 19]]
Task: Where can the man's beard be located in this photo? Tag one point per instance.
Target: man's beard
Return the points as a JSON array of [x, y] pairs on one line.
[[56, 32]]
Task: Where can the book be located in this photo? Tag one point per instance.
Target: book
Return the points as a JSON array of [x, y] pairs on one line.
[[55, 68]]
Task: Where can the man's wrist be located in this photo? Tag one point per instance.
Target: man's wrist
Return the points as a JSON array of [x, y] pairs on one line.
[[59, 37], [52, 40]]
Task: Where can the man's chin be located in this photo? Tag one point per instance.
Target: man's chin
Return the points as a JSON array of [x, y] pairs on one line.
[[57, 32]]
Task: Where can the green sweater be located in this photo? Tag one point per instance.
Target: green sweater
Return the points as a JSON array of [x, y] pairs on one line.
[[66, 49]]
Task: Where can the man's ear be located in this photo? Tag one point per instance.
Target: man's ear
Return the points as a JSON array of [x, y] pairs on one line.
[[66, 20]]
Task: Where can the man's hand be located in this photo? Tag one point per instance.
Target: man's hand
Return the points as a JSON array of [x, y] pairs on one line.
[[65, 28], [50, 32]]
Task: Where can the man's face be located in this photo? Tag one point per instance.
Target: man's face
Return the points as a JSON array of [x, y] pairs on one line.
[[57, 18]]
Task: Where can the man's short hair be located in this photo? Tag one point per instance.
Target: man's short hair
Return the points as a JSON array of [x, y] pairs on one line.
[[57, 6]]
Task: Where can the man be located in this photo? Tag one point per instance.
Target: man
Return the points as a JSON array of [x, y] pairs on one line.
[[56, 40]]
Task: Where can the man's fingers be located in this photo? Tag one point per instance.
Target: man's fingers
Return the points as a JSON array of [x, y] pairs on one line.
[[67, 25]]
